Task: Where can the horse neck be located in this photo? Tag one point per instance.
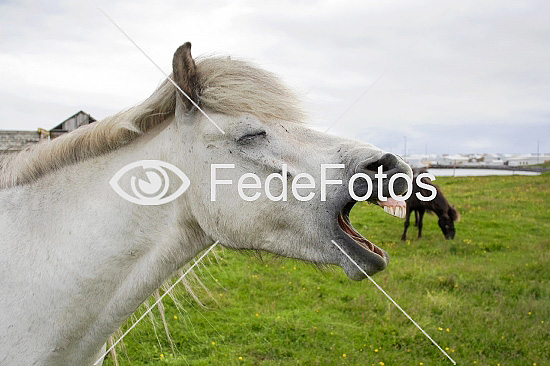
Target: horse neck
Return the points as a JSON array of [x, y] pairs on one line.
[[439, 204], [98, 256]]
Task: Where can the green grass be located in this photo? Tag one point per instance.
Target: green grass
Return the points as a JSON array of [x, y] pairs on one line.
[[484, 296]]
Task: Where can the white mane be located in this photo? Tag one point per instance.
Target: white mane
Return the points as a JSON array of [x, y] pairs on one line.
[[226, 85]]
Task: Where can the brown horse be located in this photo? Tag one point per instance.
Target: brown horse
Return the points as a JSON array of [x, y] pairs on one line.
[[446, 213]]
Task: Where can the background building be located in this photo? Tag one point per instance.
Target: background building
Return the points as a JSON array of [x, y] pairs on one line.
[[14, 141]]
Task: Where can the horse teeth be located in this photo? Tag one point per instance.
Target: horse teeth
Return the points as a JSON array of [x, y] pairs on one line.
[[396, 211]]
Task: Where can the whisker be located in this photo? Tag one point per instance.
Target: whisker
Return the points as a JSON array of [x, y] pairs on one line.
[[163, 73], [159, 299], [355, 102], [397, 305]]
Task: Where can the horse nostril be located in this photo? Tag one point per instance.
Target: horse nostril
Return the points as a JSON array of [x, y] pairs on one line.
[[387, 161], [390, 165]]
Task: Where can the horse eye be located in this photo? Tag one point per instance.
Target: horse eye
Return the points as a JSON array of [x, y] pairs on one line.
[[243, 140]]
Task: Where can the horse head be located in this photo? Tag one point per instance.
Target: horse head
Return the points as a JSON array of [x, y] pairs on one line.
[[264, 141], [446, 222]]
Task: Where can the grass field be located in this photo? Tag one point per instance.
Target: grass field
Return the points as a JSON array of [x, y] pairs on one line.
[[485, 296]]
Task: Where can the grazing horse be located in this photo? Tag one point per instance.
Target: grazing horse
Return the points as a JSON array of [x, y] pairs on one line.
[[446, 213], [76, 259]]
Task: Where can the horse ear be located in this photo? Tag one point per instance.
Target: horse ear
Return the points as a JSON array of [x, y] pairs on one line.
[[185, 75]]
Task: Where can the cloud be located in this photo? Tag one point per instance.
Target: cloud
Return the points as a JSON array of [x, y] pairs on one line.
[[456, 76]]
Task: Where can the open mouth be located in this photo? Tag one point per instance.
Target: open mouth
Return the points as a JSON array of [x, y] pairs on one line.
[[391, 206]]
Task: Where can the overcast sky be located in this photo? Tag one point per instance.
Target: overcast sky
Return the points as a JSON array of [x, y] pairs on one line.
[[465, 76]]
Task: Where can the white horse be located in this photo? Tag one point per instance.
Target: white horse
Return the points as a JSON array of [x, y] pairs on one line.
[[76, 259]]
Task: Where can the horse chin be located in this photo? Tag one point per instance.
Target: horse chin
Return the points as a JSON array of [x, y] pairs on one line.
[[370, 258]]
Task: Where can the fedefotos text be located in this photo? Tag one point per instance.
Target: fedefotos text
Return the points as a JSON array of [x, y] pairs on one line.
[[303, 184]]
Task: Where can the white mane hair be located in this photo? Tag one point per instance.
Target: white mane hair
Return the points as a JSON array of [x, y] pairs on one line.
[[226, 86]]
